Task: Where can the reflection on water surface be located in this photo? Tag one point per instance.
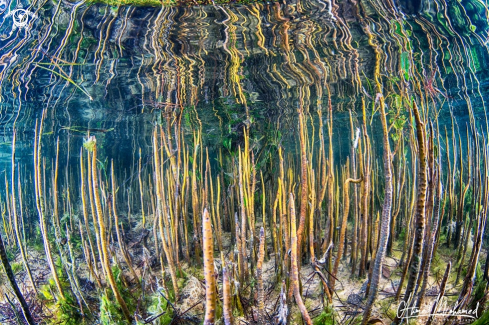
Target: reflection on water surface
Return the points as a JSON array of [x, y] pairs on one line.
[[145, 147]]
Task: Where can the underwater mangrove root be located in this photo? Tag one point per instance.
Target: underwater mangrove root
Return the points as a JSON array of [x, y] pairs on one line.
[[210, 280]]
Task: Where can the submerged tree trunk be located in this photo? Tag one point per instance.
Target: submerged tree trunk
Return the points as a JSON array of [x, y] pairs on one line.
[[210, 280], [13, 283], [420, 211], [294, 260], [365, 198], [386, 219]]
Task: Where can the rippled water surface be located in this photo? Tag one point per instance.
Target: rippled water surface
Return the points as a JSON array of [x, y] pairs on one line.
[[112, 69]]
